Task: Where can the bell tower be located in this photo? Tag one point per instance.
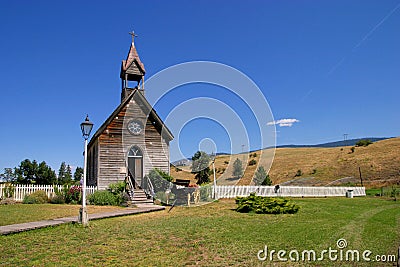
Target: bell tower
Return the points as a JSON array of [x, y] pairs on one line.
[[132, 72]]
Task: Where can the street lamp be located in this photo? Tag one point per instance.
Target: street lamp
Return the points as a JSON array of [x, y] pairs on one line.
[[86, 128]]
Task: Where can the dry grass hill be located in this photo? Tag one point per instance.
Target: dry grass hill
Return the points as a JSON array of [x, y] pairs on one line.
[[379, 163]]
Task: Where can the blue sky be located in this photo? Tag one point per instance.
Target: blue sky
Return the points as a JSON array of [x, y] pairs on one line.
[[332, 65]]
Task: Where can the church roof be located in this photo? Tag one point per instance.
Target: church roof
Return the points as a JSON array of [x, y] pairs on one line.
[[132, 65], [133, 57], [146, 107]]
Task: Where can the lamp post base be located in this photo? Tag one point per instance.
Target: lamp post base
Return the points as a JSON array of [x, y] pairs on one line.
[[83, 216]]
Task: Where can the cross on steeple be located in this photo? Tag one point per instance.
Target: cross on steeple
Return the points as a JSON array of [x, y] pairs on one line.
[[132, 33]]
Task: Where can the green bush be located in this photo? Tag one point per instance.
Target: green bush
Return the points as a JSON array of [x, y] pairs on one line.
[[252, 162], [265, 205], [364, 142], [159, 179], [206, 192], [57, 199], [299, 173], [37, 197], [117, 188], [104, 198], [8, 190]]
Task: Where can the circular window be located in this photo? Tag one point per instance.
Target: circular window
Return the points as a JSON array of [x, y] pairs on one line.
[[135, 127]]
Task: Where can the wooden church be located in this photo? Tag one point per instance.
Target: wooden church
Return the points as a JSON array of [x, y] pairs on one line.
[[133, 140]]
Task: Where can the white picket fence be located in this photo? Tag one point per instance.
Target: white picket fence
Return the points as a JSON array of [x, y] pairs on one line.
[[222, 191], [229, 191], [21, 190]]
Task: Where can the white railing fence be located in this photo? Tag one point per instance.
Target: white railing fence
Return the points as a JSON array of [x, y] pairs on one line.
[[229, 191], [21, 190]]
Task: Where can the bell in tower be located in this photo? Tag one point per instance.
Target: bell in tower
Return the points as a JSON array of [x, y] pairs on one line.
[[132, 72]]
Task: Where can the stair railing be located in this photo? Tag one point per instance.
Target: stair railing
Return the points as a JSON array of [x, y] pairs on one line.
[[148, 187], [135, 183], [131, 188]]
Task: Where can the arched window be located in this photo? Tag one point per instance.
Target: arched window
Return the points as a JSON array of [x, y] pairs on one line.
[[135, 152]]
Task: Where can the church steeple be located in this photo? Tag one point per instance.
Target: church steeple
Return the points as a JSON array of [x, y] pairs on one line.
[[132, 70]]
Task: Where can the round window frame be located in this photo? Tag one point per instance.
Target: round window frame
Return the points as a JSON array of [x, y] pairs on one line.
[[140, 124]]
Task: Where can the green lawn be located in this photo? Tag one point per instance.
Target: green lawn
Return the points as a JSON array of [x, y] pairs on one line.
[[211, 235], [21, 213]]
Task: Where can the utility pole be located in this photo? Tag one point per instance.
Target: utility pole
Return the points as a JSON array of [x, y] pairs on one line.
[[345, 138]]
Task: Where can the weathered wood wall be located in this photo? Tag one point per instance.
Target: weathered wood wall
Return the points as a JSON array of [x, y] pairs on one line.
[[108, 154]]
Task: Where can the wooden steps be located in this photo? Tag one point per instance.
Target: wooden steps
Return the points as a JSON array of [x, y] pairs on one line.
[[139, 197]]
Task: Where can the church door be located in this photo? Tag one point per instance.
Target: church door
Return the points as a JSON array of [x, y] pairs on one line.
[[135, 164]]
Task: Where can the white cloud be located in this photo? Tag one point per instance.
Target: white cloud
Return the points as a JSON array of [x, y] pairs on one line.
[[283, 122]]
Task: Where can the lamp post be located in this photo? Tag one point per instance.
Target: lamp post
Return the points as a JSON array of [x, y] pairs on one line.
[[86, 128]]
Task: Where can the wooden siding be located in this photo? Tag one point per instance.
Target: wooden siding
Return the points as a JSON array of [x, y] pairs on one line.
[[134, 69], [108, 154]]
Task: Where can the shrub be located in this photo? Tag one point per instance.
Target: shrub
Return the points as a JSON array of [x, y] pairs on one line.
[[265, 205], [8, 190], [117, 188], [37, 197], [261, 177], [205, 193], [73, 195], [267, 181], [364, 142], [226, 162], [299, 173], [252, 162], [160, 179], [57, 199], [104, 198], [352, 149]]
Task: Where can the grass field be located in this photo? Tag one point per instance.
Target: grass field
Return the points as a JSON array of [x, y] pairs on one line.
[[210, 235]]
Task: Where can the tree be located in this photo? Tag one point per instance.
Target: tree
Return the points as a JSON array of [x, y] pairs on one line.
[[8, 175], [237, 168], [78, 174], [62, 173], [68, 175], [45, 175], [364, 142], [261, 177], [31, 172], [200, 166], [26, 172]]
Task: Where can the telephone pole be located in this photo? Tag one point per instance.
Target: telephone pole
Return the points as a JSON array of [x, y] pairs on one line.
[[345, 138]]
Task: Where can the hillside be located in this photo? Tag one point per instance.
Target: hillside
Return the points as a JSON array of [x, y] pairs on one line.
[[379, 163]]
